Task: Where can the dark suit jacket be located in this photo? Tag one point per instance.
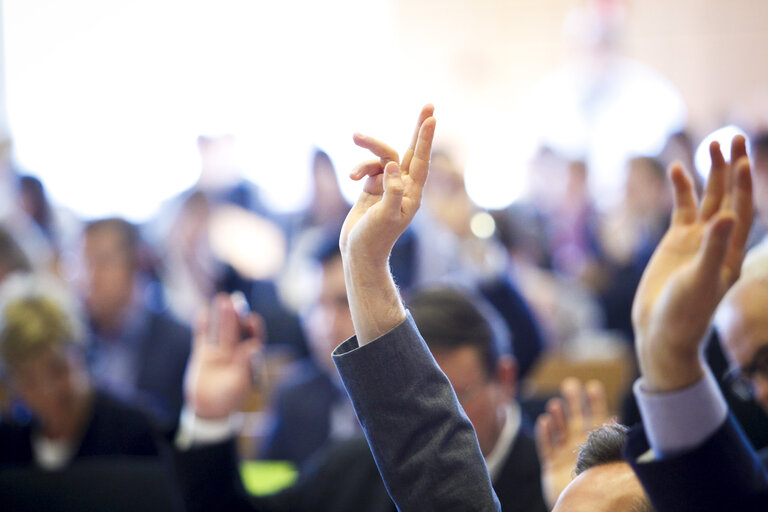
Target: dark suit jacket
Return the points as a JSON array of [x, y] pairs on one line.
[[341, 478], [722, 474], [162, 351], [301, 411], [115, 429]]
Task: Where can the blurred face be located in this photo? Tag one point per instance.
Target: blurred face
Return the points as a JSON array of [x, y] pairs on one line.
[[605, 488], [744, 335], [482, 396], [107, 283], [329, 321], [52, 383]]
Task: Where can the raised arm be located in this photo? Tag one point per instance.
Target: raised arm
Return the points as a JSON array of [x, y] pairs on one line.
[[699, 459], [424, 446]]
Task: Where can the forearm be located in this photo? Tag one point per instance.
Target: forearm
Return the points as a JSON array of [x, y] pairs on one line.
[[374, 301]]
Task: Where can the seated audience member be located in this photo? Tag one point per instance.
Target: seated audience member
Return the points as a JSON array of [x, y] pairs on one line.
[[43, 360], [460, 332], [133, 351], [310, 408], [424, 446]]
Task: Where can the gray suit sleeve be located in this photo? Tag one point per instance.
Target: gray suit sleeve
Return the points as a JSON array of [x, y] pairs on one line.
[[424, 445]]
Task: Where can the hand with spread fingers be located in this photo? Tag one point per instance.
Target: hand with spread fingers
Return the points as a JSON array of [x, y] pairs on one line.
[[219, 374], [390, 198], [392, 191], [564, 428], [693, 267]]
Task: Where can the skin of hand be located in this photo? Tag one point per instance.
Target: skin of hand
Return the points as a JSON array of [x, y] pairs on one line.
[[696, 262], [390, 198], [218, 376], [564, 428]]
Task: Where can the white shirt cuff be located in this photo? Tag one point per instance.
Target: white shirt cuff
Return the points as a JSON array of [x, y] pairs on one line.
[[194, 431]]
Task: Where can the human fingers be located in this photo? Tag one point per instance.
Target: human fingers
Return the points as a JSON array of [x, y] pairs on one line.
[[226, 328], [253, 328], [684, 211], [743, 210], [201, 327], [738, 148], [543, 435], [377, 147], [419, 165], [367, 168], [597, 402], [393, 190], [559, 427], [426, 112], [716, 183], [573, 392], [712, 253]]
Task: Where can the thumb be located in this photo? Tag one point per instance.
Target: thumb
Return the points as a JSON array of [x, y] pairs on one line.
[[393, 188]]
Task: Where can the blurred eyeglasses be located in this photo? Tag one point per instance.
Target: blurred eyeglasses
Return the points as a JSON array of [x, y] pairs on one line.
[[740, 380]]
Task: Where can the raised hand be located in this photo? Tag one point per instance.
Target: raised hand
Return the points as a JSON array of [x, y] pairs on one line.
[[391, 194], [219, 371], [694, 265], [564, 428], [390, 198]]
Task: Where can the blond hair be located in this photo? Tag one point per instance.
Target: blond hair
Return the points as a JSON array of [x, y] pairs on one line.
[[35, 314]]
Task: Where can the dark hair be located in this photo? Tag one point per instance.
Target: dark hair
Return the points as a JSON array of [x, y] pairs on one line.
[[449, 319], [33, 189], [758, 145], [605, 445], [128, 232], [12, 257]]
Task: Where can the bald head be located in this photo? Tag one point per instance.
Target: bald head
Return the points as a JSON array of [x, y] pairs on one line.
[[742, 323], [605, 488]]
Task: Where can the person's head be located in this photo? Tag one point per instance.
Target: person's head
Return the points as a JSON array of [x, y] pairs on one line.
[[743, 329], [604, 481], [12, 258], [110, 261], [33, 201], [329, 321], [472, 347], [39, 351]]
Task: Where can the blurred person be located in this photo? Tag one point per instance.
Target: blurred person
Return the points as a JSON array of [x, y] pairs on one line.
[[42, 357], [309, 408], [328, 207], [34, 202], [135, 352], [573, 229], [470, 344], [629, 235]]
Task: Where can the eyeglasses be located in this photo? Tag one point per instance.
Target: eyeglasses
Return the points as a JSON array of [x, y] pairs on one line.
[[741, 380]]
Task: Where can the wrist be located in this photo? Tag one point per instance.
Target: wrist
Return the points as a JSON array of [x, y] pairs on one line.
[[664, 370]]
